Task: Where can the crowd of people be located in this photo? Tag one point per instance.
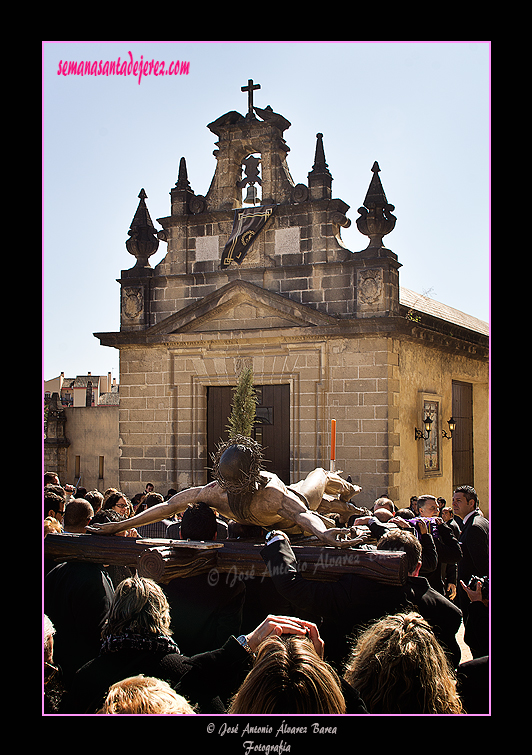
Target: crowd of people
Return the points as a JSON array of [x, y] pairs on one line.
[[118, 643]]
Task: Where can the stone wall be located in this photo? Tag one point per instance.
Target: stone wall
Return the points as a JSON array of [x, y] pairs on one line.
[[163, 405], [429, 370], [148, 420], [55, 440], [93, 433]]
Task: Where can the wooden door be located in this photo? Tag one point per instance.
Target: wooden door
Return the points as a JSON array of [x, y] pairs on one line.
[[463, 463], [272, 425]]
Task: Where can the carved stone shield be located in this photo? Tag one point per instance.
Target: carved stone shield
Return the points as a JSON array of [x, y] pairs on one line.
[[369, 285], [132, 302]]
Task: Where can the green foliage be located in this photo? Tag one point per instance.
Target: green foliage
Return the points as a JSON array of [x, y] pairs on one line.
[[244, 405]]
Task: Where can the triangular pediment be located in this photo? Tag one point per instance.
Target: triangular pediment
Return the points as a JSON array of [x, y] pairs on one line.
[[241, 305]]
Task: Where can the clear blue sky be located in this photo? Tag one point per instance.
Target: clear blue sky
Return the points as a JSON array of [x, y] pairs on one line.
[[421, 109]]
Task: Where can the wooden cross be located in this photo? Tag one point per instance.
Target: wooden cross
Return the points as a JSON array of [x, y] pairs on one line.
[[163, 559], [251, 87]]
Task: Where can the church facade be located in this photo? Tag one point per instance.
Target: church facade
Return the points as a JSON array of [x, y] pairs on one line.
[[256, 274]]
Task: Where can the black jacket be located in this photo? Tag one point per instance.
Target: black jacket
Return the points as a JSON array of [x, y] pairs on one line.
[[207, 680], [448, 550], [474, 540], [343, 607], [204, 680], [206, 609], [77, 596]]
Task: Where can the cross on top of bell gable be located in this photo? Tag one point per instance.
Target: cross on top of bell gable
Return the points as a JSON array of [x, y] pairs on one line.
[[250, 88]]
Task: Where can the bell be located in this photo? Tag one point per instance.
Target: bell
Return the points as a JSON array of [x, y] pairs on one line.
[[251, 196]]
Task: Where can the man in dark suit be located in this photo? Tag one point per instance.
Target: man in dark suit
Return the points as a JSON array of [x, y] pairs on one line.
[[474, 540], [344, 606], [205, 608], [77, 597]]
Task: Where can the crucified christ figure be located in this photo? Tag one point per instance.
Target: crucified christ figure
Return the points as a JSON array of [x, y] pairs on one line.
[[242, 491]]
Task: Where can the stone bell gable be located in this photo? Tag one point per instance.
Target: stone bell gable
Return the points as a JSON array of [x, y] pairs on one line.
[[297, 253], [256, 274]]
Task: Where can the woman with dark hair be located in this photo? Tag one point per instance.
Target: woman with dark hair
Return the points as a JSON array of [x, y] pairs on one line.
[[118, 502]]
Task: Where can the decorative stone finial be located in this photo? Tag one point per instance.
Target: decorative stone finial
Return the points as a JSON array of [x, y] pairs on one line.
[[142, 242], [319, 178], [182, 176], [320, 166], [376, 215]]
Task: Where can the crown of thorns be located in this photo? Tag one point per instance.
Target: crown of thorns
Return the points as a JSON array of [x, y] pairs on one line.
[[247, 479]]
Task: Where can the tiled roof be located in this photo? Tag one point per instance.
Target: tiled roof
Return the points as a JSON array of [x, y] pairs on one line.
[[435, 308], [83, 380], [80, 381], [109, 399]]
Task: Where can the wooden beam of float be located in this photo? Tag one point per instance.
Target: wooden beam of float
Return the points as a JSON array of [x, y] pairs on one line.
[[163, 560]]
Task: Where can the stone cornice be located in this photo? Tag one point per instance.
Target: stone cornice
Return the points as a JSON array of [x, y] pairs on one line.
[[285, 208], [446, 337]]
